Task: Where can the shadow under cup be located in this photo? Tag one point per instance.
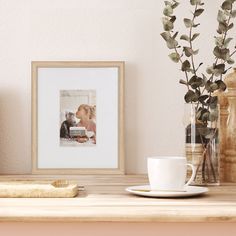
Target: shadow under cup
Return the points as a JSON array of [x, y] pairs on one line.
[[167, 173]]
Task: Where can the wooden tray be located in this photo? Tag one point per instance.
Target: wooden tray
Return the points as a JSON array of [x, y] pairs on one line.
[[37, 189]]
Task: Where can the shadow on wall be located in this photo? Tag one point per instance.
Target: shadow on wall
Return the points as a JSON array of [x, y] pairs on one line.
[[132, 141], [15, 128]]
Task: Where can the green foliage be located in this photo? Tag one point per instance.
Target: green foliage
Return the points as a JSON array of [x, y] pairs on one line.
[[168, 11], [198, 12], [221, 53], [170, 41], [188, 23], [226, 5], [167, 24], [200, 87], [186, 66], [175, 57], [195, 36], [185, 37], [195, 2], [191, 96]]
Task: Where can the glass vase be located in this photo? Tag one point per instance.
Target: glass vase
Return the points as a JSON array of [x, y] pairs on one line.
[[202, 142]]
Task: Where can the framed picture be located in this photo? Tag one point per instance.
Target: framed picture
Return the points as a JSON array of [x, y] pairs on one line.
[[77, 117]]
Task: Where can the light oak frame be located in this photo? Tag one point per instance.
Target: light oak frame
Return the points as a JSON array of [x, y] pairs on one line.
[[34, 113]]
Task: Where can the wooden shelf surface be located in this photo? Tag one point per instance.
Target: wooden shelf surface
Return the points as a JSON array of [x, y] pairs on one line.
[[105, 200]]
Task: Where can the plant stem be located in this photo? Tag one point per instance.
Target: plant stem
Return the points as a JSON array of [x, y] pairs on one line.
[[186, 74], [190, 39], [232, 53], [216, 60]]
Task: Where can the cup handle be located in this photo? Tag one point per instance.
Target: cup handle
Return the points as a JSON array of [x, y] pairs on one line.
[[193, 174]]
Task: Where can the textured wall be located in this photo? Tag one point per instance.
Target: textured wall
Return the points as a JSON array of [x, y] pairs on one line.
[[126, 30]]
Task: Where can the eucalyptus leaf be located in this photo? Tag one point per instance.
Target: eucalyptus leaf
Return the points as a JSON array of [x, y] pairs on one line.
[[230, 26], [167, 24], [195, 82], [221, 53], [212, 101], [186, 66], [167, 3], [226, 5], [198, 93], [219, 41], [185, 37], [181, 81], [166, 36], [204, 78], [175, 57], [200, 64], [168, 11], [175, 35], [171, 43], [190, 96], [221, 17], [188, 51], [220, 68], [195, 2], [173, 19], [213, 87], [188, 23], [196, 25], [198, 12], [195, 36], [230, 61], [176, 4], [221, 85], [227, 41], [223, 27], [232, 1], [195, 52], [227, 13], [219, 31], [202, 99], [210, 70]]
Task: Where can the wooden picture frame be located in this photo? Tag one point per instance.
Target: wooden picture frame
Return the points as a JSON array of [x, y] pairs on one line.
[[59, 148]]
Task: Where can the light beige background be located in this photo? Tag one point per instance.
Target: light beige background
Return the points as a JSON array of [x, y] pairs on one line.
[[126, 30]]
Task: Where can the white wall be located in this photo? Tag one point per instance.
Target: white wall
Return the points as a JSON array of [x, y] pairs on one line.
[[126, 30]]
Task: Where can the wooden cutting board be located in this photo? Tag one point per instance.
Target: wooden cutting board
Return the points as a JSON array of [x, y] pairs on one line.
[[37, 189]]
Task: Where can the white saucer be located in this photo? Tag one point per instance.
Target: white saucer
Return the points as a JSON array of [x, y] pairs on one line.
[[144, 190]]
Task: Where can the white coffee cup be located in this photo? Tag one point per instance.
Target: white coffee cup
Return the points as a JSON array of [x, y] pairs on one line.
[[168, 173]]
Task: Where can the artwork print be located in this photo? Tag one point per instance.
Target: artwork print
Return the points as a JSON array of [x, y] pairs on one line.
[[78, 118]]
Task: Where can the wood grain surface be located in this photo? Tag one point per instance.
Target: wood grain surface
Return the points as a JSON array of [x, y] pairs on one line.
[[105, 200], [38, 189]]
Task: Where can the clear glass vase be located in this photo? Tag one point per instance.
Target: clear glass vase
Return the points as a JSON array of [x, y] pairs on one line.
[[202, 142]]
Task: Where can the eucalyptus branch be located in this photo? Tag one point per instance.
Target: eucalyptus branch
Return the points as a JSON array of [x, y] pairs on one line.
[[190, 38], [186, 73], [200, 88]]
